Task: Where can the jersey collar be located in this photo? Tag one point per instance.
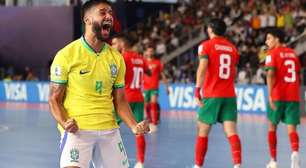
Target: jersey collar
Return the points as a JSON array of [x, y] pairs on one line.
[[89, 48]]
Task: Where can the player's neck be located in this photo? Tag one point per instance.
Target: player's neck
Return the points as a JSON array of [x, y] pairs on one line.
[[93, 42], [215, 36]]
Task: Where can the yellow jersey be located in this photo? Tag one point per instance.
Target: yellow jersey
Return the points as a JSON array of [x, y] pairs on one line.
[[90, 78]]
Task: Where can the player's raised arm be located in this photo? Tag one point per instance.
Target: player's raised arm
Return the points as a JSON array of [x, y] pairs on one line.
[[123, 109], [56, 97], [57, 92]]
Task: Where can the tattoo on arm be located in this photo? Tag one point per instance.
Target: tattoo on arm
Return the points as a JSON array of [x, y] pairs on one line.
[[56, 97], [57, 91]]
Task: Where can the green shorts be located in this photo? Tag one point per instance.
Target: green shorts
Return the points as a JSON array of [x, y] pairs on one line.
[[138, 112], [287, 112], [218, 110], [149, 93]]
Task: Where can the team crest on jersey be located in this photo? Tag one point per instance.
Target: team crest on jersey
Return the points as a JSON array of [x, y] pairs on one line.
[[268, 59], [114, 70], [58, 71], [74, 155], [152, 66], [200, 49]]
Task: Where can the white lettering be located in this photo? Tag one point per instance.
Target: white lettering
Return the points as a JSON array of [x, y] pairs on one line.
[[181, 97], [239, 93], [43, 91], [260, 103], [249, 99], [173, 96], [247, 95], [223, 48], [15, 91], [188, 97]]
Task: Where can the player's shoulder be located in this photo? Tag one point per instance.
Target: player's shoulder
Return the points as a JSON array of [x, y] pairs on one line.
[[67, 51], [71, 46], [131, 54], [270, 57], [113, 51], [206, 43], [114, 55], [157, 61], [275, 52], [227, 42], [291, 50]]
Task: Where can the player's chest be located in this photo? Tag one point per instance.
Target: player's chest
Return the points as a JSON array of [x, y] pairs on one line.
[[93, 75], [154, 67]]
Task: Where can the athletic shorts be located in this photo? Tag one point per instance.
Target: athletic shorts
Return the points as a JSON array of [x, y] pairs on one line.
[[287, 112], [218, 110], [104, 148], [138, 112], [149, 93]]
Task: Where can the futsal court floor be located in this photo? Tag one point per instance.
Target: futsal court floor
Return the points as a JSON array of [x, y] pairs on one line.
[[29, 139]]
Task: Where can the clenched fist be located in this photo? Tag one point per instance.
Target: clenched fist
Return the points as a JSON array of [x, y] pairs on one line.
[[141, 128], [71, 126]]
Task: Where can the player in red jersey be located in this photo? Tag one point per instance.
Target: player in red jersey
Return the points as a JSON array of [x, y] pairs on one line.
[[135, 69], [151, 85], [283, 69], [218, 59]]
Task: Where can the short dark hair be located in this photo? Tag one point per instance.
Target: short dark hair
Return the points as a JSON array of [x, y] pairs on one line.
[[125, 38], [218, 26], [89, 4], [278, 33]]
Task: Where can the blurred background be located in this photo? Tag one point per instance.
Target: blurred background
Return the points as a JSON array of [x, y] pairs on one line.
[[32, 31]]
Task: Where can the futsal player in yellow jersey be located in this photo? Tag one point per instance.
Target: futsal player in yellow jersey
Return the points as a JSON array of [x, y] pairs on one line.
[[87, 83]]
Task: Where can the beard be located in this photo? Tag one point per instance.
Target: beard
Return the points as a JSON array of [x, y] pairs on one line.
[[100, 33]]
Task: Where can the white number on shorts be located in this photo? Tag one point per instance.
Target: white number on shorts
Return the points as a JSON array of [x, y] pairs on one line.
[[224, 69], [291, 71], [137, 77]]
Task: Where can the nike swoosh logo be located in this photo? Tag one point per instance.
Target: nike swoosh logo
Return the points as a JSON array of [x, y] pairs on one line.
[[83, 72]]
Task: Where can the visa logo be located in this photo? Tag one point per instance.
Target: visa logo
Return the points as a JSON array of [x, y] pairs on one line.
[[15, 91], [249, 99], [181, 97]]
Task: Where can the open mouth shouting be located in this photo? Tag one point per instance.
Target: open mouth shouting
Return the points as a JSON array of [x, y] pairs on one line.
[[102, 29], [106, 27]]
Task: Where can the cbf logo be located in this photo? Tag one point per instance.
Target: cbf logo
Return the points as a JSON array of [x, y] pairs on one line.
[[74, 155], [57, 71], [114, 70]]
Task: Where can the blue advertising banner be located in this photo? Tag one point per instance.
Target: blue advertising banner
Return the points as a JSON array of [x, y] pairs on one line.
[[250, 98], [32, 92]]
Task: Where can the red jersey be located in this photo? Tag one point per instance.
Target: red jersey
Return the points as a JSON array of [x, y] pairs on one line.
[[222, 58], [135, 68], [152, 82], [287, 68]]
